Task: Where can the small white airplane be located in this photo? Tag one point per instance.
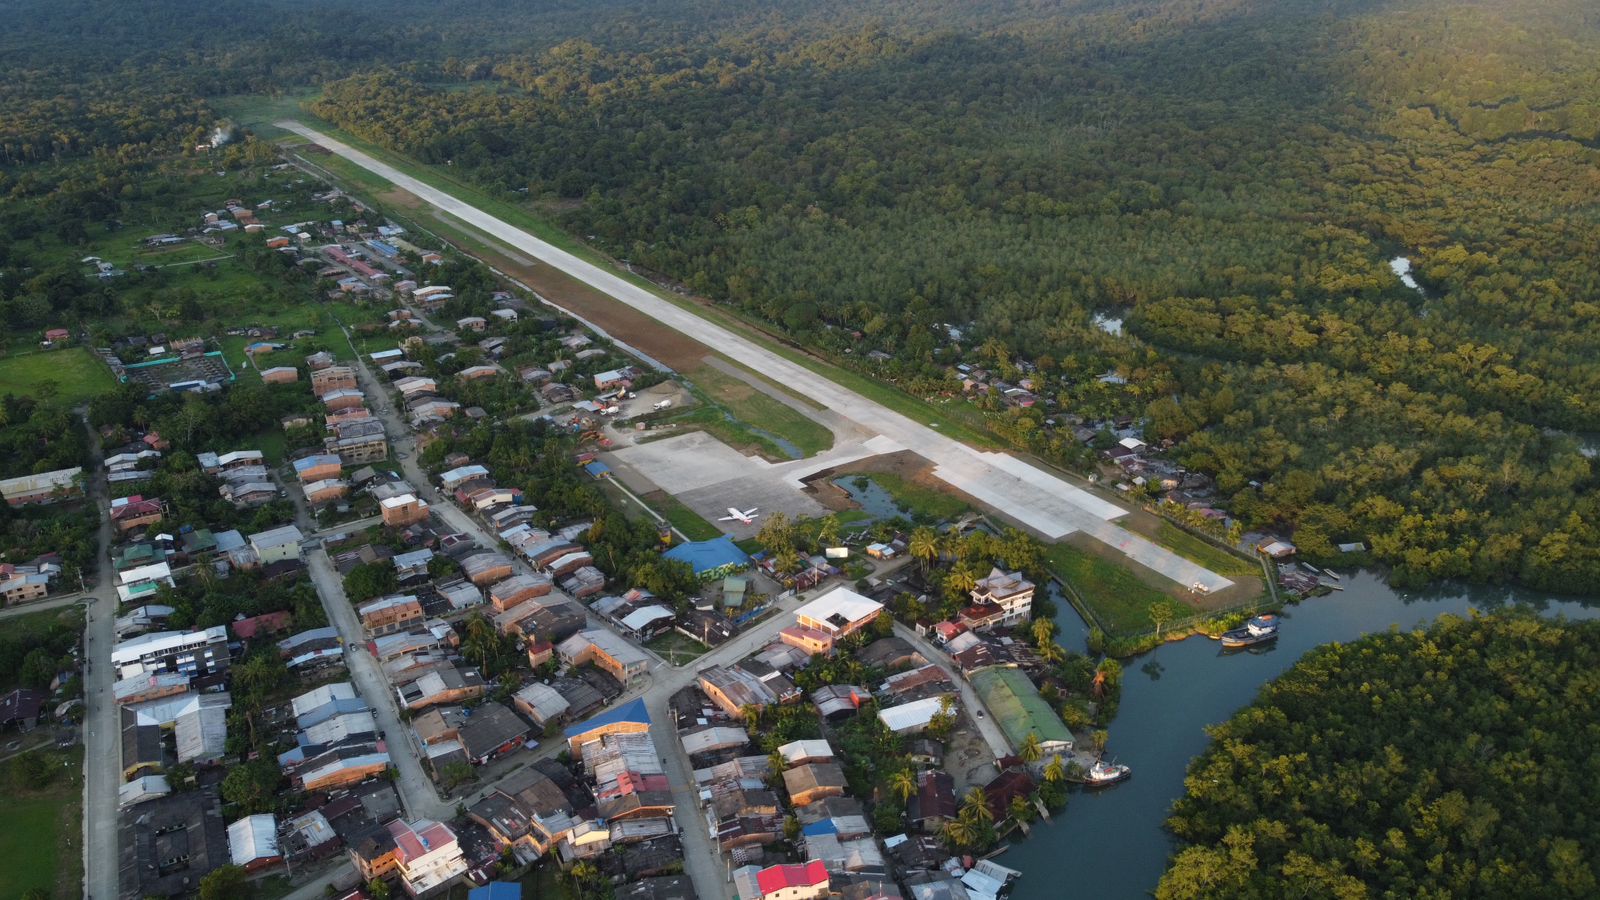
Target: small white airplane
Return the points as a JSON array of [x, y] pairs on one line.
[[743, 518]]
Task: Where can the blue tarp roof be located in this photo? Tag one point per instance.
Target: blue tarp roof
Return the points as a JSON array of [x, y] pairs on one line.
[[496, 890], [815, 829], [708, 556], [597, 469], [632, 711]]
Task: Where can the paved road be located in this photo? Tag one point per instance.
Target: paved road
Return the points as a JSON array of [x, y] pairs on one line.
[[416, 789], [1014, 489], [970, 700], [102, 728]]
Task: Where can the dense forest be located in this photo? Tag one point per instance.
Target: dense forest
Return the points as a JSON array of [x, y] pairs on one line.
[[1453, 762], [1230, 178]]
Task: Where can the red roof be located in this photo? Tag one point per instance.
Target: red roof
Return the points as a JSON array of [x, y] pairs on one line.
[[267, 622], [412, 844], [776, 878]]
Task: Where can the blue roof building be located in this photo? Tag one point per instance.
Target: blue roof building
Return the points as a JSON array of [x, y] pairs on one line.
[[710, 559], [496, 890], [629, 718]]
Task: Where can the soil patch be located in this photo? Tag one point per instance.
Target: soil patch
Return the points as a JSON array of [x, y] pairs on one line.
[[673, 349]]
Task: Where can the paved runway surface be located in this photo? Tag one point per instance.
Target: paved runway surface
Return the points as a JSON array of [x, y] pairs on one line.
[[1009, 486]]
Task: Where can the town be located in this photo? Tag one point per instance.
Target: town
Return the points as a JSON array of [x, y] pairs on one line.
[[420, 635]]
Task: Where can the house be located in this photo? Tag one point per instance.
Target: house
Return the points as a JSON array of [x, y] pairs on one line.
[[262, 625], [390, 614], [416, 386], [170, 843], [343, 399], [474, 373], [325, 491], [437, 683], [56, 335], [277, 544], [21, 708], [1009, 593], [23, 588], [483, 569], [460, 475], [427, 855], [194, 652], [811, 641], [841, 612], [253, 842], [811, 782], [783, 882], [518, 589], [912, 717], [133, 513], [612, 378], [317, 467], [712, 739], [934, 803], [280, 375], [43, 487], [629, 718], [804, 752], [836, 701], [541, 703], [246, 494], [414, 564], [732, 688], [889, 653], [491, 732], [609, 653], [472, 323], [528, 813]]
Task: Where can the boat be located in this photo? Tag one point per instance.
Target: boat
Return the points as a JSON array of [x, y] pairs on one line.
[[1259, 630], [1104, 774]]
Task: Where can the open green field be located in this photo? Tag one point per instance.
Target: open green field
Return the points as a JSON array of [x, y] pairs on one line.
[[749, 405], [677, 649], [257, 112], [41, 836], [1203, 552], [1116, 595], [955, 420], [71, 375], [682, 517]]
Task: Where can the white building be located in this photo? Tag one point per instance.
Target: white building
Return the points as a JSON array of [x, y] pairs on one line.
[[426, 854], [187, 652]]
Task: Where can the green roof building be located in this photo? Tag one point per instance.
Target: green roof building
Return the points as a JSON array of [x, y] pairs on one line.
[[1019, 710]]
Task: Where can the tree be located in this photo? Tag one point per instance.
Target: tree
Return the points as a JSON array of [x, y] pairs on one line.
[[1054, 771], [1162, 612], [252, 786], [828, 530], [975, 806], [1030, 750], [378, 889], [369, 580], [924, 547], [1043, 632], [226, 883], [903, 784], [1020, 809]]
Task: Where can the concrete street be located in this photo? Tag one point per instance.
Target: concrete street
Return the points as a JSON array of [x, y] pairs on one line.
[[416, 789], [102, 728], [1014, 489], [971, 703]]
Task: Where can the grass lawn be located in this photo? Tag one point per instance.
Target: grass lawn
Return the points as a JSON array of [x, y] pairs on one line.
[[713, 421], [1115, 593], [682, 517], [752, 407], [677, 648], [952, 425], [920, 501], [41, 834], [71, 375], [1203, 552]]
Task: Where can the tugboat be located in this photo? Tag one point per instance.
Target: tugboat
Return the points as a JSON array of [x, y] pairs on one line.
[[1259, 630], [1104, 774]]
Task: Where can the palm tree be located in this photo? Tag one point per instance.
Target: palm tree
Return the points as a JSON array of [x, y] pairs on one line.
[[924, 547], [902, 784], [1054, 771], [961, 580], [751, 713], [975, 808], [1043, 631], [828, 530], [958, 833], [1031, 751], [1021, 810]]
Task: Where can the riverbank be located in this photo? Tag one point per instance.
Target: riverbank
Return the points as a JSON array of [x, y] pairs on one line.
[[1113, 840]]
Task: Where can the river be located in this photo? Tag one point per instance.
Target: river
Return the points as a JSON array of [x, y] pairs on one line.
[[1111, 844]]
